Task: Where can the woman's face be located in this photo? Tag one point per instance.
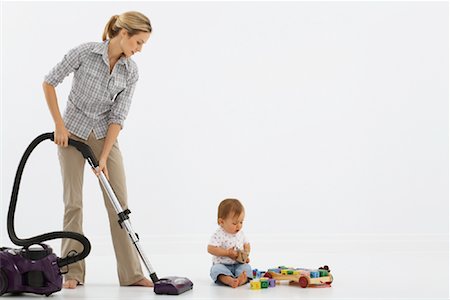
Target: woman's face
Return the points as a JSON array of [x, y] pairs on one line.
[[132, 45]]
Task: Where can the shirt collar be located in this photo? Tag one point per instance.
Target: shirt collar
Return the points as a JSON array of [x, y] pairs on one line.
[[227, 233], [102, 49]]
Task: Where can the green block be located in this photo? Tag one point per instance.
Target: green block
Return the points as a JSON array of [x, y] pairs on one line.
[[323, 273], [290, 272], [264, 284]]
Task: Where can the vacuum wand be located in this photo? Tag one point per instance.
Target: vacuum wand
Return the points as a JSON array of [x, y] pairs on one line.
[[125, 222], [172, 285]]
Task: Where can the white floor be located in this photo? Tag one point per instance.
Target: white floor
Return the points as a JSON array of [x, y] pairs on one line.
[[368, 268]]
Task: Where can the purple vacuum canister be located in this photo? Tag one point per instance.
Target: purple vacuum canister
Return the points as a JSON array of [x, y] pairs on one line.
[[29, 270]]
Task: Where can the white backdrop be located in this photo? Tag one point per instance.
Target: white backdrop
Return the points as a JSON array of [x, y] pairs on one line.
[[323, 118]]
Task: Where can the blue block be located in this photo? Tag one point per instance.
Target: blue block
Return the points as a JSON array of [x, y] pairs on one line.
[[314, 274]]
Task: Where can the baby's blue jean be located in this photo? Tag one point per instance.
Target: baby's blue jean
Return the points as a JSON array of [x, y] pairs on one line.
[[233, 270]]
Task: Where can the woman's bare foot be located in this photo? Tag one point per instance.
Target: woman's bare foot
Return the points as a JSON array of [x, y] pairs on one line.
[[242, 279], [71, 284], [143, 282], [228, 280]]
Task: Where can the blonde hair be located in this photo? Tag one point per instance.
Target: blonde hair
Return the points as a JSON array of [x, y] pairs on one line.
[[132, 21], [229, 207]]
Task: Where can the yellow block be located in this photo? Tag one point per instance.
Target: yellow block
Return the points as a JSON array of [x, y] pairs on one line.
[[255, 285]]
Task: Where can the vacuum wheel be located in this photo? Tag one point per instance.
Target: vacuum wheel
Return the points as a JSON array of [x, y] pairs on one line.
[[3, 282]]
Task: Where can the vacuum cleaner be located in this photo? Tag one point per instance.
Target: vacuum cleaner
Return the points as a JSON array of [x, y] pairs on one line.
[[32, 269], [172, 285]]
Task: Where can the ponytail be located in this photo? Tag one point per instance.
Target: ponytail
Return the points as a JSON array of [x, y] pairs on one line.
[[132, 21], [111, 29]]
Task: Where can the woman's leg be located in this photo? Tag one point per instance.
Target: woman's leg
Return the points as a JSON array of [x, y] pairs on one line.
[[72, 170], [128, 264]]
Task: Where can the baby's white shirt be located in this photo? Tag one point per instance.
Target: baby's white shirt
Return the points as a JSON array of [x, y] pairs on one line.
[[226, 240]]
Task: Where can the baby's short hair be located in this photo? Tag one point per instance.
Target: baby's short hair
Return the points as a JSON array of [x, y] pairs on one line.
[[229, 206]]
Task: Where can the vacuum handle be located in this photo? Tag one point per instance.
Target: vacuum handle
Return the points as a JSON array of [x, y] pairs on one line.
[[84, 149]]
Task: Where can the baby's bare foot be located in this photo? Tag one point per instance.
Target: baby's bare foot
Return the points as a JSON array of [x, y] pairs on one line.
[[228, 280], [70, 284], [242, 279], [143, 282]]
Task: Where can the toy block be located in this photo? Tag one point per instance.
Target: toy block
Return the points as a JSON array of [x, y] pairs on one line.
[[255, 271], [255, 285], [314, 274], [323, 273], [258, 273], [272, 282], [264, 284]]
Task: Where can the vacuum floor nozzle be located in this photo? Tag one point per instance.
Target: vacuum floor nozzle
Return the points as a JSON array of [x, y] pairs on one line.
[[173, 285]]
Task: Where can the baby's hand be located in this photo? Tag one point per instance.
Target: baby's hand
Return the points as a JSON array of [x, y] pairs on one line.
[[231, 253]]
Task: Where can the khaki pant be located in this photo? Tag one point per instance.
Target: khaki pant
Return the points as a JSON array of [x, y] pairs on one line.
[[72, 169]]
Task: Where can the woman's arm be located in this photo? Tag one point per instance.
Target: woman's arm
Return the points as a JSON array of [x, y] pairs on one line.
[[70, 63], [61, 136]]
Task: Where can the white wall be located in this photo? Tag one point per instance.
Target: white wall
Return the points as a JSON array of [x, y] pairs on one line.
[[323, 118]]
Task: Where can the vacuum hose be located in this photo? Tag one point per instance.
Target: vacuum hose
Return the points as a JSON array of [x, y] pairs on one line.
[[87, 154]]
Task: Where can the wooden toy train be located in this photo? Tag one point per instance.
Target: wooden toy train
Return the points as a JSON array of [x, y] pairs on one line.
[[305, 277]]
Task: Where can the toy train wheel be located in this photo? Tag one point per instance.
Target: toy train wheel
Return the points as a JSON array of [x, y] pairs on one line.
[[303, 282], [3, 282]]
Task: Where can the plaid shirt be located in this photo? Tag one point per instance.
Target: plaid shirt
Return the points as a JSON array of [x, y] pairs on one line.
[[97, 98]]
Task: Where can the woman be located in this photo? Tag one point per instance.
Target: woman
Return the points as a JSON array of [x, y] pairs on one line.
[[104, 80]]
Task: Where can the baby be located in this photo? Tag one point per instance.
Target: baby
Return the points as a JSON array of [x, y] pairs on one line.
[[228, 244]]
